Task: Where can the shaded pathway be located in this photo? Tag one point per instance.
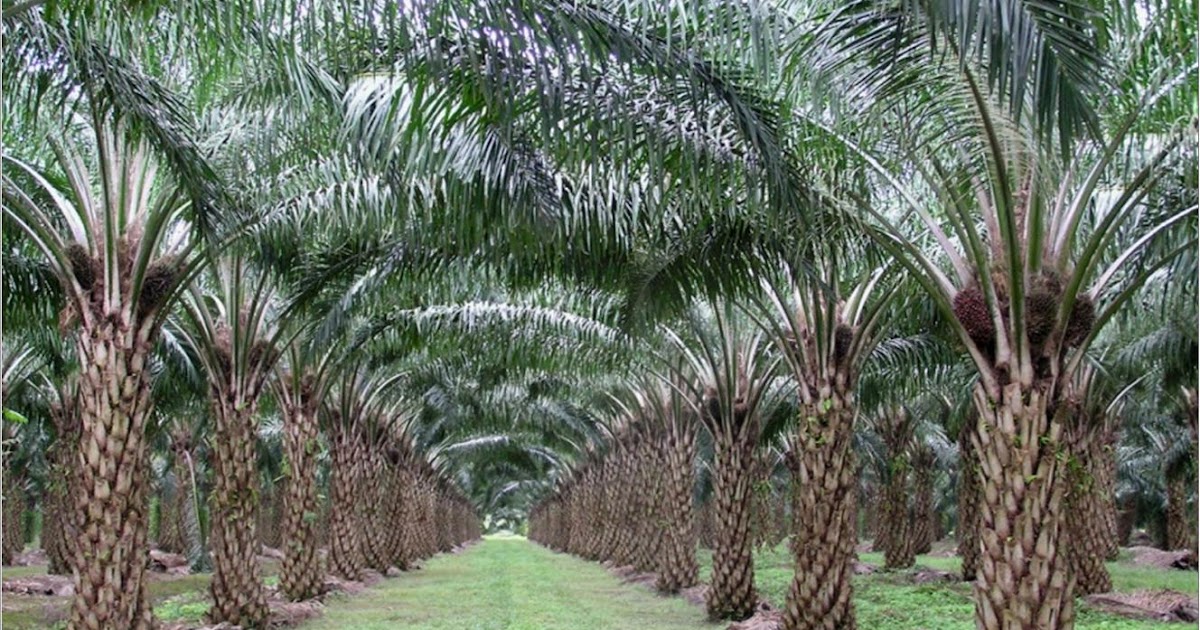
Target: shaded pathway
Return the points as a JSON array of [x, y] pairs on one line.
[[508, 583]]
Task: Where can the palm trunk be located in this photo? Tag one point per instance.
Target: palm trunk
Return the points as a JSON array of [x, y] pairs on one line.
[[779, 521], [1084, 503], [968, 505], [883, 530], [609, 509], [445, 542], [900, 550], [649, 522], [1179, 534], [678, 568], [111, 505], [1126, 520], [1104, 475], [1023, 580], [623, 543], [924, 512], [170, 526], [194, 539], [58, 529], [14, 515], [373, 546], [406, 555], [270, 516], [393, 515], [237, 590], [761, 518], [731, 593], [821, 592], [896, 428], [300, 576], [345, 548]]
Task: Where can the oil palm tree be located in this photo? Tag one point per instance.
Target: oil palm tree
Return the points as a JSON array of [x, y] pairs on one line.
[[299, 386], [231, 314], [825, 322], [1027, 259], [731, 371], [119, 268]]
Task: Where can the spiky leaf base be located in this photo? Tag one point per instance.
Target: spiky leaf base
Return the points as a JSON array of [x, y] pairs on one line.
[[823, 543]]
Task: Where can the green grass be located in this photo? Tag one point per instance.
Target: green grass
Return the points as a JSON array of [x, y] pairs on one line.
[[175, 599], [889, 601], [508, 583]]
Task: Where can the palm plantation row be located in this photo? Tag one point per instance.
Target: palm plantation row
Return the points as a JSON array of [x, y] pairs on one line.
[[402, 267]]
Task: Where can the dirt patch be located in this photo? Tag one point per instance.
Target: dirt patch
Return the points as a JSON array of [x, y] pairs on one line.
[[1158, 605], [163, 562], [623, 571], [370, 577], [862, 568], [695, 595], [30, 558], [1141, 539], [367, 578], [1151, 557], [287, 614], [944, 548], [645, 579], [767, 617], [46, 585], [334, 584], [931, 576]]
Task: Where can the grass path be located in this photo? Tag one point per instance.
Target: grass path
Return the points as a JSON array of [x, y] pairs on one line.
[[508, 583]]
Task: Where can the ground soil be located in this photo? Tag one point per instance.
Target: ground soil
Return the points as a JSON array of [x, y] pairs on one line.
[[1158, 605], [1152, 557]]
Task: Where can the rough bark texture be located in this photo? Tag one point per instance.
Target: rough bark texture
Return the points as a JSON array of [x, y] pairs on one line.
[[1179, 532], [58, 526], [405, 553], [111, 505], [56, 531], [374, 548], [821, 592], [1086, 549], [300, 576], [731, 593], [170, 524], [1023, 580], [900, 550], [1104, 476], [14, 512], [678, 568], [648, 524], [237, 590], [923, 534], [968, 504], [270, 516], [883, 529], [1126, 520], [345, 547], [896, 427]]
